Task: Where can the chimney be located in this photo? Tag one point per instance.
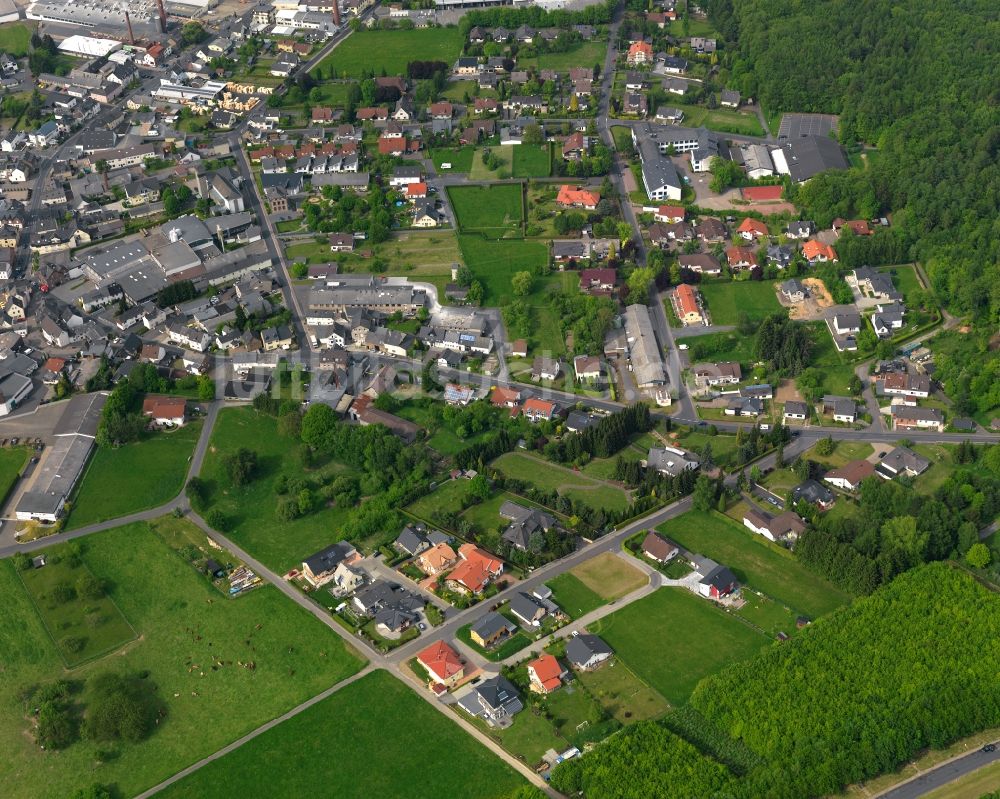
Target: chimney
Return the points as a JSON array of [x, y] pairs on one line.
[[131, 36], [336, 13], [163, 16]]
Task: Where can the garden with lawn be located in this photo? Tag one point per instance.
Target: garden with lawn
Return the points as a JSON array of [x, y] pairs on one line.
[[672, 639], [460, 159], [756, 562], [134, 477], [724, 120], [249, 510], [216, 667], [509, 646], [622, 694], [354, 724], [726, 300], [387, 52], [582, 54]]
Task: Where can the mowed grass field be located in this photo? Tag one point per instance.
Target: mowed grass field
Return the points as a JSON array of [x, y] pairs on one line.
[[356, 745], [672, 639], [495, 262], [12, 460], [549, 476], [494, 210], [727, 300], [418, 253], [460, 159], [182, 624], [573, 596], [532, 160], [584, 54], [15, 38], [134, 477], [251, 508], [756, 562], [609, 576], [389, 51], [721, 119]]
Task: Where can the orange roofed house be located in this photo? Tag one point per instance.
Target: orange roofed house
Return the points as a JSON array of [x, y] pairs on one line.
[[751, 229], [545, 674], [640, 53], [818, 252], [505, 397], [687, 305], [439, 558], [578, 198], [165, 410], [538, 409], [476, 570], [442, 663]]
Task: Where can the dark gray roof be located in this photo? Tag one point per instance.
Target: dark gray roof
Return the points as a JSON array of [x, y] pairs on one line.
[[329, 558], [524, 606], [812, 491], [581, 648], [412, 541], [810, 155], [489, 625], [498, 692]]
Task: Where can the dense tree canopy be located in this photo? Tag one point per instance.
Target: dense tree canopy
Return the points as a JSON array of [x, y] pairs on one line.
[[918, 79]]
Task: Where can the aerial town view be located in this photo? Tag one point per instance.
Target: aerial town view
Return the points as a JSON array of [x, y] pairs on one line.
[[499, 399]]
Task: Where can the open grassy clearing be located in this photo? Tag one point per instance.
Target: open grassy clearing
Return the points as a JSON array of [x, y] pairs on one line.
[[844, 452], [584, 54], [720, 347], [573, 596], [82, 627], [15, 38], [549, 476], [494, 262], [309, 252], [672, 639], [389, 51], [727, 300], [181, 620], [609, 576], [417, 253], [836, 367], [695, 27], [460, 159], [493, 209], [532, 160], [723, 446], [134, 477], [358, 724], [502, 167], [12, 461], [623, 694], [251, 509], [756, 562]]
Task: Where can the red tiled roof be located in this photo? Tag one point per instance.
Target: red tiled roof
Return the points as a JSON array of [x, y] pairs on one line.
[[441, 659], [571, 195], [687, 300], [754, 226], [547, 671], [164, 407]]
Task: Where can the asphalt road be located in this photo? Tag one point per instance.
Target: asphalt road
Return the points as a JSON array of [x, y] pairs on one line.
[[941, 775]]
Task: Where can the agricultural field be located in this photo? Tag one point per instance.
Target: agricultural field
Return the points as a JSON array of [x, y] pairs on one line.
[[548, 476], [727, 300], [583, 54], [672, 639], [387, 52], [609, 576], [492, 210], [573, 596], [185, 629], [355, 723], [134, 477], [532, 161], [250, 510], [756, 562], [460, 159], [12, 461]]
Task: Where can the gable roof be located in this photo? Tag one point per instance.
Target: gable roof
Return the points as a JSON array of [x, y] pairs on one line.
[[547, 671], [852, 473], [440, 659]]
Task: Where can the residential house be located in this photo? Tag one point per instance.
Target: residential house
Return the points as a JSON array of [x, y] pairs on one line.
[[437, 559], [587, 652], [670, 460], [786, 526], [670, 214], [714, 580], [494, 700], [795, 410], [849, 476], [729, 98], [659, 549], [442, 664], [752, 229], [536, 410], [490, 629], [524, 523], [505, 397], [411, 541], [913, 418], [793, 290], [528, 609], [318, 569], [903, 384], [815, 493], [544, 368], [902, 460], [717, 374], [598, 281], [816, 252], [476, 570], [843, 409], [575, 197], [800, 229], [165, 411], [587, 367], [701, 263], [640, 53], [545, 674], [741, 258], [688, 307]]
